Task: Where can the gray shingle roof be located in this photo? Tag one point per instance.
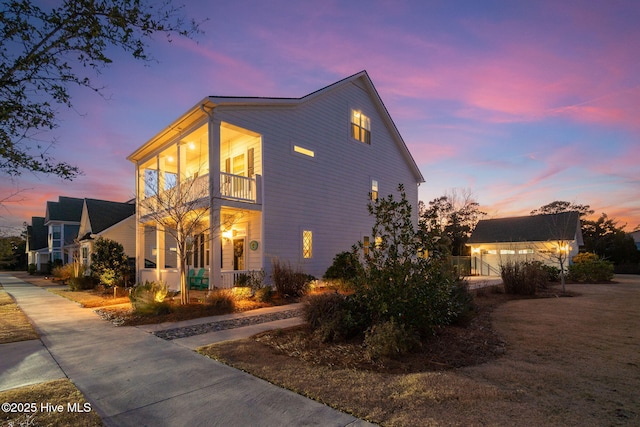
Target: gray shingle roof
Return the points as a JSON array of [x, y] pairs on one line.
[[66, 209], [104, 214], [536, 228], [38, 234]]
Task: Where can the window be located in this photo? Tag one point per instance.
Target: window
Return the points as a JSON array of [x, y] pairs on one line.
[[507, 251], [304, 151], [492, 251], [525, 251], [366, 245], [360, 127], [374, 189], [307, 244]]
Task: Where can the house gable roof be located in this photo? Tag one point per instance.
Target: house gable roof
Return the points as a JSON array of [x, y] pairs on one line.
[[198, 113], [37, 234], [536, 228], [66, 209], [103, 214]]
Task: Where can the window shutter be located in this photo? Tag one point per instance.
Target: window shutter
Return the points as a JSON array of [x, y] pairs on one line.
[[250, 167]]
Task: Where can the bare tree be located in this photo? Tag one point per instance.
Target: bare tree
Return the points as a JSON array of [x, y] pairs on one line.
[[181, 211], [47, 49]]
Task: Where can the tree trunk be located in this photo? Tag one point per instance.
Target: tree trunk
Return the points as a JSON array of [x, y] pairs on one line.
[[182, 271]]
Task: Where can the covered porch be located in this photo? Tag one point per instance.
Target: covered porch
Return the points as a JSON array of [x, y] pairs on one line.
[[225, 251]]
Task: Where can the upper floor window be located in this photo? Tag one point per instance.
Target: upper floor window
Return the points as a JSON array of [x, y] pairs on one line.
[[374, 190], [360, 127], [307, 244]]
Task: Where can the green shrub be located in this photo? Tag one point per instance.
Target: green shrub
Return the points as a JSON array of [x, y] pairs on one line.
[[264, 294], [222, 300], [32, 269], [588, 267], [462, 305], [335, 317], [109, 262], [346, 267], [289, 282], [82, 283], [523, 278], [149, 298], [553, 273], [390, 339]]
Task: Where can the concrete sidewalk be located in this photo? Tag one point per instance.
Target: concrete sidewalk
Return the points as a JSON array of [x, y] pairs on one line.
[[132, 378]]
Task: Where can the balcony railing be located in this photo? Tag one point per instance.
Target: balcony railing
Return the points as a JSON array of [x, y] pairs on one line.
[[237, 187], [232, 187]]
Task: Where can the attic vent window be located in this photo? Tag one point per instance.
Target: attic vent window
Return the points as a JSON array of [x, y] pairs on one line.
[[304, 151], [360, 127]]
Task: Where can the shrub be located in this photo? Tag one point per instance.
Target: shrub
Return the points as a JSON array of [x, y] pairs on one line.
[[149, 298], [241, 292], [523, 278], [264, 294], [553, 273], [221, 300], [346, 267], [109, 262], [390, 339], [252, 279], [588, 267], [63, 272], [82, 283], [334, 316], [462, 306], [289, 282], [32, 269]]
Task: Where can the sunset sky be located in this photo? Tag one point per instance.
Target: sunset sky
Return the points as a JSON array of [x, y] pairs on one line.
[[520, 102]]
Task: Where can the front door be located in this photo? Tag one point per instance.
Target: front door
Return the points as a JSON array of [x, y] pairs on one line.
[[238, 254]]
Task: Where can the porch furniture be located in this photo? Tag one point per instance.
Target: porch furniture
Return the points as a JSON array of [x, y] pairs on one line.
[[197, 282]]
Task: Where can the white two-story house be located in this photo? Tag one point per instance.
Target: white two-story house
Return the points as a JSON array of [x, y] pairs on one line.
[[286, 178]]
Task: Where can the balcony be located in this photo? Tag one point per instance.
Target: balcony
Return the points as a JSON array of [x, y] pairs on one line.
[[232, 187]]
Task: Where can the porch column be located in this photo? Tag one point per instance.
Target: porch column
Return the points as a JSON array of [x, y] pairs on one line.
[[215, 269], [160, 262], [140, 243]]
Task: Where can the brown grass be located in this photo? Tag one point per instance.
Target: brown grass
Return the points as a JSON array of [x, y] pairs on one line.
[[14, 325], [57, 392], [568, 361], [92, 298]]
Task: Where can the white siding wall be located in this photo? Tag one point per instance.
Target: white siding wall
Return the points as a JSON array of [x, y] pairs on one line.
[[327, 194], [124, 233]]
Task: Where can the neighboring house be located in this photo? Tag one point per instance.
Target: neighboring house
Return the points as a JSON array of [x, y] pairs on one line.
[[287, 179], [636, 238], [62, 219], [37, 247], [110, 220], [528, 238]]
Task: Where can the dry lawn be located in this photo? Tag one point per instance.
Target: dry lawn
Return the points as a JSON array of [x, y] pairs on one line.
[[92, 298], [14, 325], [572, 361], [58, 392]]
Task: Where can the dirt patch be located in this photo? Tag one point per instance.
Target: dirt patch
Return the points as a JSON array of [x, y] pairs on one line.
[[541, 361]]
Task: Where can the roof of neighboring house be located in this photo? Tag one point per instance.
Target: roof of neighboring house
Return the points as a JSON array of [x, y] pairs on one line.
[[66, 209], [535, 228], [37, 233], [214, 101], [104, 214]]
